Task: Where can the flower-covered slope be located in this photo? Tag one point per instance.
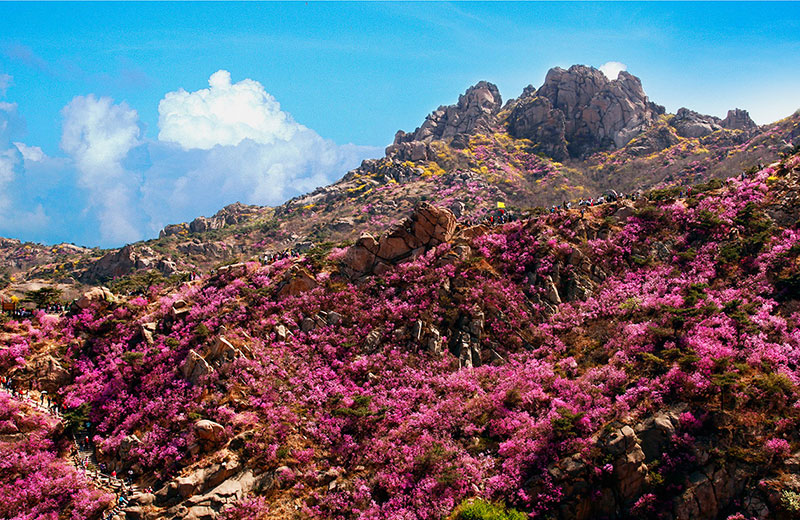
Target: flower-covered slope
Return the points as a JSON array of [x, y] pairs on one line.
[[34, 482], [640, 359]]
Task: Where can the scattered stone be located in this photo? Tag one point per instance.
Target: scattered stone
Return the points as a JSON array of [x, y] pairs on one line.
[[179, 309], [209, 431], [147, 330], [101, 295], [195, 367]]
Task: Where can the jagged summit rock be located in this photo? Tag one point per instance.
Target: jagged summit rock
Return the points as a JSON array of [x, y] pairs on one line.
[[738, 119], [580, 111], [574, 114], [689, 123], [474, 113]]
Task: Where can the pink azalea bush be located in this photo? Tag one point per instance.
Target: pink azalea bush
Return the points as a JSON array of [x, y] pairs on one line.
[[685, 304]]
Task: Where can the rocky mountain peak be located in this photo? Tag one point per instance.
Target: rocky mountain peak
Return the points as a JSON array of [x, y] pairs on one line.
[[738, 119], [474, 113], [574, 114], [580, 111]]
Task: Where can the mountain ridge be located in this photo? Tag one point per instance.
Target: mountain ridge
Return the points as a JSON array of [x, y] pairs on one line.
[[477, 151]]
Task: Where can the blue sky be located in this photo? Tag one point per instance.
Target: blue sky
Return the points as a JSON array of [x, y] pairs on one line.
[[84, 83]]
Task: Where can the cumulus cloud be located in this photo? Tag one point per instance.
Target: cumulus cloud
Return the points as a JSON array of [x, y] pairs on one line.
[[8, 165], [225, 143], [17, 217], [11, 124], [612, 69], [98, 135], [232, 142], [224, 114]]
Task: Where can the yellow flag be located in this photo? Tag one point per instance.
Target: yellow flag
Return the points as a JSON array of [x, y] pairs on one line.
[[501, 205]]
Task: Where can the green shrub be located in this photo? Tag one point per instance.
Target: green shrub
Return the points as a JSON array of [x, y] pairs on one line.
[[650, 213], [132, 357], [565, 425], [713, 184], [76, 418], [478, 509], [201, 331], [360, 407], [664, 194], [790, 500], [44, 296]]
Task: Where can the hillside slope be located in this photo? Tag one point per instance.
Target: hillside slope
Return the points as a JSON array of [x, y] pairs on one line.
[[639, 358]]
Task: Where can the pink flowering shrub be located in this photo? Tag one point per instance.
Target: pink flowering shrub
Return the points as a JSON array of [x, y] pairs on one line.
[[34, 482], [685, 303]]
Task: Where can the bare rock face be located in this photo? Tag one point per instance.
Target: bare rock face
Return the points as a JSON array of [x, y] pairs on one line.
[[738, 119], [535, 118], [689, 123], [427, 227], [474, 113], [597, 113], [50, 374], [296, 280], [125, 261], [229, 215], [100, 295], [129, 443]]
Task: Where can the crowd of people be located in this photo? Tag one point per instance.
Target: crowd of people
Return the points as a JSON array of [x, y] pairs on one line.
[[82, 449], [22, 313], [271, 258]]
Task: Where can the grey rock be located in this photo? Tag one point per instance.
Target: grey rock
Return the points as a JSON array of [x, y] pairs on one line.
[[689, 123]]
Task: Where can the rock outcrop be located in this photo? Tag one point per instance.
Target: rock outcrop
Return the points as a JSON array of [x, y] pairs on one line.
[[125, 261], [296, 280], [229, 215], [474, 113], [634, 451], [738, 119], [99, 295], [50, 374], [596, 113], [427, 227], [689, 123], [195, 367]]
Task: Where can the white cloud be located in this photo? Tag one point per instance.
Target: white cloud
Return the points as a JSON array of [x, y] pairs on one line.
[[224, 114], [234, 143], [230, 142], [30, 153], [8, 165], [612, 69], [98, 135], [6, 80], [11, 124]]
